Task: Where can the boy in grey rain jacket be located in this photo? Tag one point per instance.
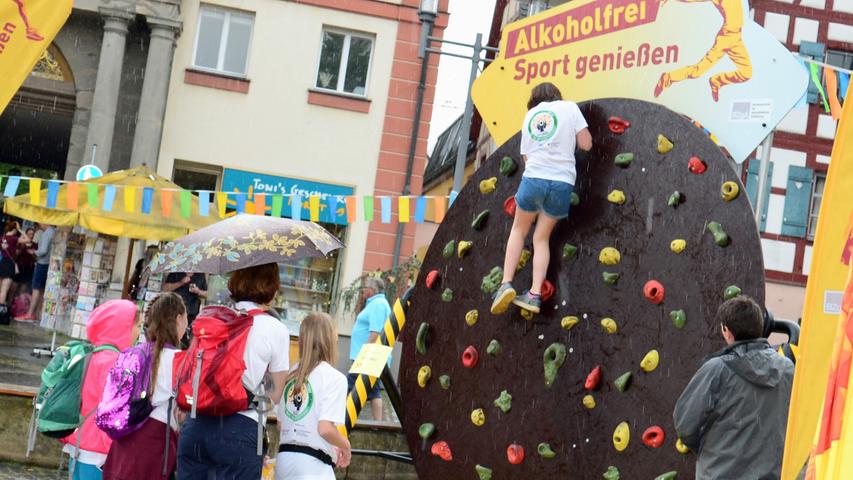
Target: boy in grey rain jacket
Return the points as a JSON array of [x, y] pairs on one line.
[[734, 411]]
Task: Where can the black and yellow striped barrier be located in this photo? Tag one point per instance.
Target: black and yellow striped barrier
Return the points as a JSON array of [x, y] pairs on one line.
[[393, 326]]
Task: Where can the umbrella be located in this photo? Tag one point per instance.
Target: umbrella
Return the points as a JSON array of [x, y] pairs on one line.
[[245, 241]]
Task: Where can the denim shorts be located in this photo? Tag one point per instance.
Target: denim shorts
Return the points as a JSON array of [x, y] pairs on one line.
[[539, 195]]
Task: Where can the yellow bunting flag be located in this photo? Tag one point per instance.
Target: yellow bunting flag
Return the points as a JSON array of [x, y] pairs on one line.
[[221, 203], [314, 207], [130, 199], [35, 191], [72, 193], [166, 202], [403, 209]]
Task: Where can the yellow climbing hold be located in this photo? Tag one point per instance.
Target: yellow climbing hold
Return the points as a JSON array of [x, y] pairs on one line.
[[523, 259], [664, 145], [650, 362], [609, 256], [568, 322], [589, 401], [471, 317], [729, 191], [488, 185], [478, 417], [681, 447], [463, 248], [527, 314], [621, 436], [617, 197], [678, 245], [423, 376], [609, 325]]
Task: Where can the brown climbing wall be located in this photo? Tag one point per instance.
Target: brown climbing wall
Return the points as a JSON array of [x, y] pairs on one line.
[[642, 230]]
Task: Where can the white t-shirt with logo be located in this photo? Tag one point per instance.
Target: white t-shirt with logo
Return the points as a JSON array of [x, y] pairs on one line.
[[548, 138], [322, 397]]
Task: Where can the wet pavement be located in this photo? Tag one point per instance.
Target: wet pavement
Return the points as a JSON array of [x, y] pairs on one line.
[[18, 365], [14, 471]]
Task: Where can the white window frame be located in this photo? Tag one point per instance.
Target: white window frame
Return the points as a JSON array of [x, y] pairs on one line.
[[811, 227], [342, 69], [223, 39]]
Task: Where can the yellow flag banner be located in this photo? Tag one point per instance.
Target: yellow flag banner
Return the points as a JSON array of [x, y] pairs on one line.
[[26, 29], [821, 376]]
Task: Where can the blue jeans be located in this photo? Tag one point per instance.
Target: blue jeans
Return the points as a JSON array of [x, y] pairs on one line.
[[225, 446], [539, 195]]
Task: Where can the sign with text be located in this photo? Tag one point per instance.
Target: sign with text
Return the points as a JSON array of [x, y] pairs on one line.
[[702, 58], [371, 360]]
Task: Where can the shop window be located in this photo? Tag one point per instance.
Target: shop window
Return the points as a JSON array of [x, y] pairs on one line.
[[195, 176], [344, 62], [222, 40], [814, 204]]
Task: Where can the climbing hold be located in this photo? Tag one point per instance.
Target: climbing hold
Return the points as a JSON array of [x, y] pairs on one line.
[[621, 436], [431, 279], [523, 259], [470, 357], [483, 472], [616, 196], [463, 248], [609, 256], [609, 325], [593, 379], [527, 314], [492, 280], [554, 357], [515, 454], [504, 401], [569, 251], [654, 292], [449, 248], [618, 125], [672, 475], [447, 295], [426, 430], [507, 166], [696, 165], [623, 381], [547, 291], [568, 322], [721, 238], [729, 191], [624, 160], [679, 318], [493, 348], [654, 437], [664, 145], [471, 317], [480, 220], [575, 199], [612, 473], [478, 417], [444, 381], [509, 206], [681, 447], [544, 450], [588, 401], [650, 362], [423, 376], [731, 292], [678, 245], [674, 199], [442, 450], [488, 185], [420, 339], [610, 277]]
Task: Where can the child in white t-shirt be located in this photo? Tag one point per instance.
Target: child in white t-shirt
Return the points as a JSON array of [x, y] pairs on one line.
[[551, 131], [314, 401]]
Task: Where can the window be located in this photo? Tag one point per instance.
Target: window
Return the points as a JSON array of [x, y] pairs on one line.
[[344, 62], [222, 40], [840, 59], [814, 205], [196, 176]]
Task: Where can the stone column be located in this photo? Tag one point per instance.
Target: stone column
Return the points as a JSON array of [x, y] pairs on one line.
[[155, 89], [105, 100]]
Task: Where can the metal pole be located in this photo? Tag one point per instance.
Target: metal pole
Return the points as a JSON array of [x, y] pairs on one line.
[[462, 148], [762, 178]]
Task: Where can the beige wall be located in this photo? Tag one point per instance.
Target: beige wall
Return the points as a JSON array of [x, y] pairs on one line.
[[272, 128], [785, 301]]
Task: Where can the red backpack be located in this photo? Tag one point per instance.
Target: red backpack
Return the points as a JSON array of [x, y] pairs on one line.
[[208, 375]]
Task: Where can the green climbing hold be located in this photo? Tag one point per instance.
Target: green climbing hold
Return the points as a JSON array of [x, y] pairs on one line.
[[504, 401], [679, 318], [420, 339], [610, 277], [569, 251], [674, 199], [554, 357], [545, 451], [449, 249], [492, 281], [480, 220], [624, 160], [444, 381], [426, 430], [721, 238], [523, 259], [483, 472], [623, 381], [493, 348], [667, 476], [612, 473], [576, 200], [447, 295], [731, 292], [508, 166]]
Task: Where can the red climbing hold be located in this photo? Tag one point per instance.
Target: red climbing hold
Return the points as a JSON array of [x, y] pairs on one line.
[[515, 454], [654, 437], [618, 125], [547, 291], [654, 292], [696, 165], [431, 278], [442, 449], [593, 379], [470, 357], [509, 206]]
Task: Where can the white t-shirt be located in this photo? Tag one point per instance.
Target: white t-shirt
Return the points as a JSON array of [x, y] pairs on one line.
[[267, 348], [163, 388], [548, 137], [323, 397]]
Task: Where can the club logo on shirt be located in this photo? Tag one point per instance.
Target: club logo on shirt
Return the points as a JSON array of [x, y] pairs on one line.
[[298, 403], [542, 125]]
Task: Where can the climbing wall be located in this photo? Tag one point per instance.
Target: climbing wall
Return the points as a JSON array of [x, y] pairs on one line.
[[637, 277]]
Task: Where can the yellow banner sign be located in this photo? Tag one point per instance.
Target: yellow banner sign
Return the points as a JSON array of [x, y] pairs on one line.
[[704, 59]]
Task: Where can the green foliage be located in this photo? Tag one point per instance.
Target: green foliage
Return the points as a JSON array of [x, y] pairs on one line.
[[397, 280]]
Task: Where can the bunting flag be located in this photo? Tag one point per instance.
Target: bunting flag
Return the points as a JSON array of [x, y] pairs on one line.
[[204, 203], [186, 203], [386, 209], [12, 186], [420, 209], [166, 202], [221, 203], [296, 207], [52, 193], [129, 199], [109, 198], [351, 212], [368, 208], [333, 208], [277, 204], [92, 195], [814, 69], [314, 208], [72, 196], [403, 209], [35, 191], [240, 205], [147, 200], [260, 204], [832, 92], [440, 209], [843, 84]]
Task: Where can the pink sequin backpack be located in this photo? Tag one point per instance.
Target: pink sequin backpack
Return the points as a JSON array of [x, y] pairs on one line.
[[126, 403]]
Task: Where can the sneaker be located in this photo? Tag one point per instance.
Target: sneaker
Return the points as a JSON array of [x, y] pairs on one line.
[[503, 297], [528, 301]]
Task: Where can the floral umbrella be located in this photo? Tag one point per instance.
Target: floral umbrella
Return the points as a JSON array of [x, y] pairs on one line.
[[244, 241]]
